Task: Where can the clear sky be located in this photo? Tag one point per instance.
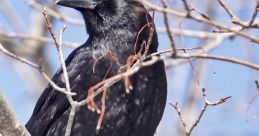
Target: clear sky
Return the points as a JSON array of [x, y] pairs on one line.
[[230, 79]]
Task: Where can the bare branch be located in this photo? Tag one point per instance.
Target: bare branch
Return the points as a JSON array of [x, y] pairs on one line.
[[10, 125], [190, 33], [186, 6], [207, 103], [254, 14], [252, 99], [201, 19], [23, 36], [57, 88], [61, 56], [55, 14], [70, 120], [213, 40], [177, 108], [169, 33], [222, 58], [230, 12], [6, 52]]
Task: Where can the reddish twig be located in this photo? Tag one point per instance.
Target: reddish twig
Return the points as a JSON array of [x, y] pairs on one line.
[[105, 91], [110, 53], [138, 34]]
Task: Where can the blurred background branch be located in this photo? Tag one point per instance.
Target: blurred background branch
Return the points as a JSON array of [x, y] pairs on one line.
[[214, 28]]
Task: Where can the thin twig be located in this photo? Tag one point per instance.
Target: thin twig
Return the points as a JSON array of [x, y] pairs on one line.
[[228, 10], [70, 120], [60, 52], [169, 33], [222, 58], [58, 43], [23, 60], [38, 67], [254, 14], [56, 87], [201, 19], [189, 33], [55, 14], [23, 36], [207, 103], [186, 6], [178, 110], [149, 41], [252, 99]]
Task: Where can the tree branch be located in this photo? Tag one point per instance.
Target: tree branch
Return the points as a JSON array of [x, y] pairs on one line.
[[10, 125]]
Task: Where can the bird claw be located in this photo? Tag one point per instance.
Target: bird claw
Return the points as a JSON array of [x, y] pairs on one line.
[[127, 91], [98, 111], [98, 127], [92, 109], [130, 87], [89, 107]]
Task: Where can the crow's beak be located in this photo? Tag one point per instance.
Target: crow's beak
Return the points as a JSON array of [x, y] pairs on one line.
[[86, 4]]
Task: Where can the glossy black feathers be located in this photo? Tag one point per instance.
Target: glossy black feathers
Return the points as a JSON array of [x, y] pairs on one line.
[[112, 26]]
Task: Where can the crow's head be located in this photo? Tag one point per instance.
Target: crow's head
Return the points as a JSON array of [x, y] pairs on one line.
[[99, 12], [104, 14], [107, 16], [80, 4], [93, 4]]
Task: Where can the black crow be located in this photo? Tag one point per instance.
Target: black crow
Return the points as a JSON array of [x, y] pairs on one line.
[[117, 30]]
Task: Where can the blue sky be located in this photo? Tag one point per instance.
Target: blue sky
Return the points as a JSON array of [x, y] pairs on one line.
[[230, 79]]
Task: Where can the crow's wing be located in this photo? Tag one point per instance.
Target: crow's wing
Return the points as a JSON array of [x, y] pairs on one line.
[[51, 103]]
